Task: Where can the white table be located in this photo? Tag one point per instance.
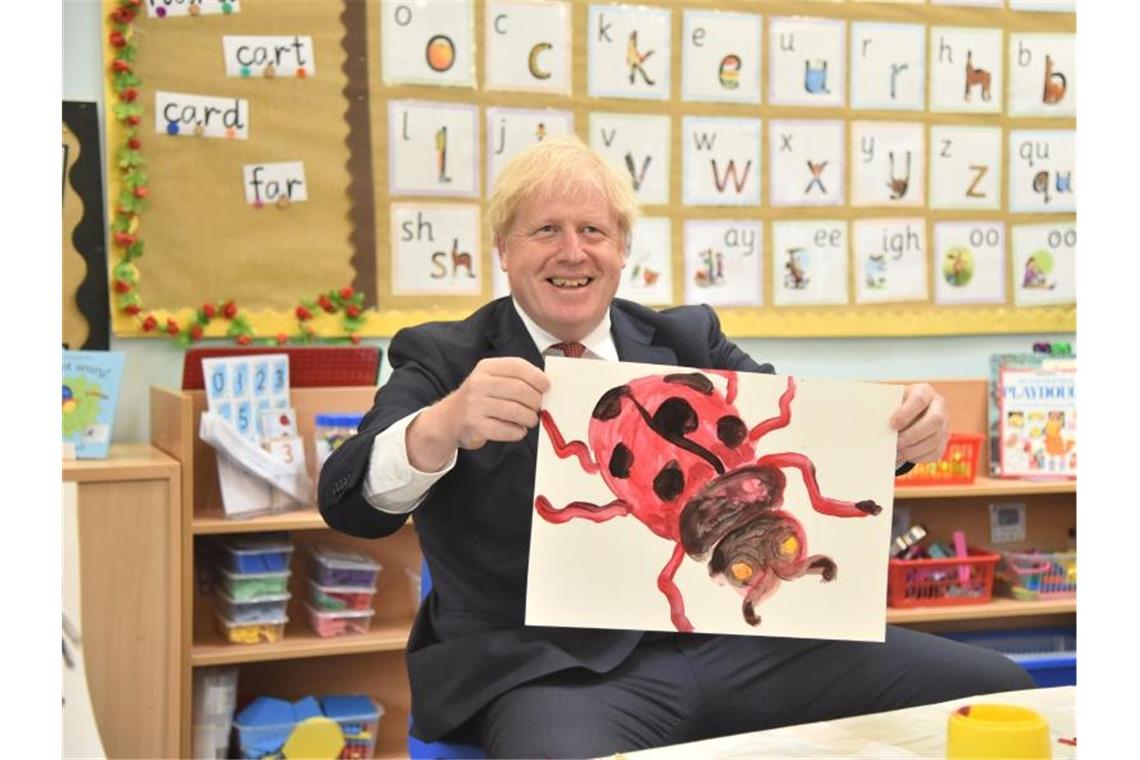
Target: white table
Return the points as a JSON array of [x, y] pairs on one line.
[[915, 732]]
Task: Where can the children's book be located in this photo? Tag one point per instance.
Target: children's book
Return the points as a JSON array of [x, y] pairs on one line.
[[90, 395], [1033, 416]]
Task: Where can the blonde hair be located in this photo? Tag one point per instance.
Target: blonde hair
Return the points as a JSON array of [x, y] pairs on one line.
[[565, 164]]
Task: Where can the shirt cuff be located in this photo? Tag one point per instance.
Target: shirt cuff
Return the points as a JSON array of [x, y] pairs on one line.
[[393, 485]]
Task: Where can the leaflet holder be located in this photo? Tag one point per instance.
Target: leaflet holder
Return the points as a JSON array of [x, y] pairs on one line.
[[253, 480]]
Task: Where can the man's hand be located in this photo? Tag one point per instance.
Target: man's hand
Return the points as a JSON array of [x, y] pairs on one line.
[[922, 424], [499, 401]]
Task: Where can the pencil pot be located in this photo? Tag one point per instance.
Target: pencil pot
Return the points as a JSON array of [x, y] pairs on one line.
[[941, 582], [957, 466], [1038, 575]]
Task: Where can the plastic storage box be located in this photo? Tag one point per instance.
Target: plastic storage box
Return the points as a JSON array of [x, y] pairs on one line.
[[1038, 575], [256, 554], [957, 466], [264, 610], [328, 623], [334, 565], [941, 582], [244, 587], [1049, 655], [336, 598], [359, 719], [251, 633]]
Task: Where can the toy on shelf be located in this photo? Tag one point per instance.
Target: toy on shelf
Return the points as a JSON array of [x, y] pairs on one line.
[[925, 573], [250, 602], [335, 726]]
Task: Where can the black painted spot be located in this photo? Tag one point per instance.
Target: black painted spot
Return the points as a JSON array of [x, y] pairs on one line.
[[669, 482], [674, 418], [609, 405], [694, 380], [620, 461], [731, 430]]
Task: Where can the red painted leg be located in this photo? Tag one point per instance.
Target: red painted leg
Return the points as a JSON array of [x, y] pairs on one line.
[[583, 509], [672, 593], [775, 423], [730, 378], [763, 585], [822, 504], [564, 449]]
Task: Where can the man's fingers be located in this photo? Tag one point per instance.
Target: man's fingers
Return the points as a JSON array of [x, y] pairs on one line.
[[506, 410], [514, 389], [915, 399], [924, 450], [521, 369]]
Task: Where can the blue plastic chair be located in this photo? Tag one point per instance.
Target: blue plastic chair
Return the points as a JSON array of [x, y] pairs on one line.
[[420, 750]]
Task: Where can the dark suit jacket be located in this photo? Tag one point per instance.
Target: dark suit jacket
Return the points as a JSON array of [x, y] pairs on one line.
[[469, 644]]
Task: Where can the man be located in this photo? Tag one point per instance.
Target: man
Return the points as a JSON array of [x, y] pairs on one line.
[[452, 436]]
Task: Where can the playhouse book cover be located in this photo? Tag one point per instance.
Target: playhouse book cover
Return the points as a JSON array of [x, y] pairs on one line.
[[90, 395], [1033, 416]]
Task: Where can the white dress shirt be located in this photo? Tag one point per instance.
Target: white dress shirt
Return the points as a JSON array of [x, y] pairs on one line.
[[393, 485]]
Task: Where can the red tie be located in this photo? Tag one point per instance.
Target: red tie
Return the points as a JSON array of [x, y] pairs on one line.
[[572, 350]]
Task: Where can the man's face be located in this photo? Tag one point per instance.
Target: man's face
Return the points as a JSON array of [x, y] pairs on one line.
[[563, 259]]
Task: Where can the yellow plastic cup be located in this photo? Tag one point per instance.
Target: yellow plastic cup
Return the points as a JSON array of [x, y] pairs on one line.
[[997, 731]]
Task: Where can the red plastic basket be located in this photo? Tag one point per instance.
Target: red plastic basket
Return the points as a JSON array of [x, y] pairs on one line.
[[958, 465], [942, 582]]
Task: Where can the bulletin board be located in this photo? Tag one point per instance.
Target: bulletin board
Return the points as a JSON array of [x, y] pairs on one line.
[[290, 172]]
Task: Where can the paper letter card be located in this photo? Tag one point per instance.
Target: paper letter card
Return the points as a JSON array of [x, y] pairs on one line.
[[648, 274], [634, 496], [435, 249], [638, 145], [965, 167], [806, 159], [969, 262], [90, 394], [890, 256], [1043, 75], [808, 62], [724, 262], [888, 66], [721, 57], [629, 52], [528, 46], [183, 115], [721, 161], [1044, 264], [433, 148], [182, 8], [809, 263], [510, 131], [1042, 165], [428, 43], [889, 160], [288, 56], [966, 69], [270, 183]]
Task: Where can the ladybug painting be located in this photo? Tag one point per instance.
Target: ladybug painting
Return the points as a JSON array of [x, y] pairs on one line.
[[678, 457]]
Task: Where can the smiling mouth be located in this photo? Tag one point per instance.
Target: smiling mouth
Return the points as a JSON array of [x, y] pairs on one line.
[[569, 283]]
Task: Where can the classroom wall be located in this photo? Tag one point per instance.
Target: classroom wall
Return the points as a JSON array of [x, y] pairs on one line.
[[159, 362]]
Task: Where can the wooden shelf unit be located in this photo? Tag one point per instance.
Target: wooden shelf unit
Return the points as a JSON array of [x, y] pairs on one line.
[[129, 552], [303, 663]]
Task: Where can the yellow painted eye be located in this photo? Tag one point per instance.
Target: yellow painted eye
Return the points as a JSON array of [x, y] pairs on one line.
[[742, 571], [790, 545]]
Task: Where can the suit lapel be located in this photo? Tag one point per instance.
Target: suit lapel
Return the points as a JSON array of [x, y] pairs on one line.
[[634, 340]]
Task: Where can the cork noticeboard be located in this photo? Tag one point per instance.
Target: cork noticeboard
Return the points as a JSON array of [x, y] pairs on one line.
[[894, 168]]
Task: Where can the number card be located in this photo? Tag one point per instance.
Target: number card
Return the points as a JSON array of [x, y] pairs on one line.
[[247, 386]]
